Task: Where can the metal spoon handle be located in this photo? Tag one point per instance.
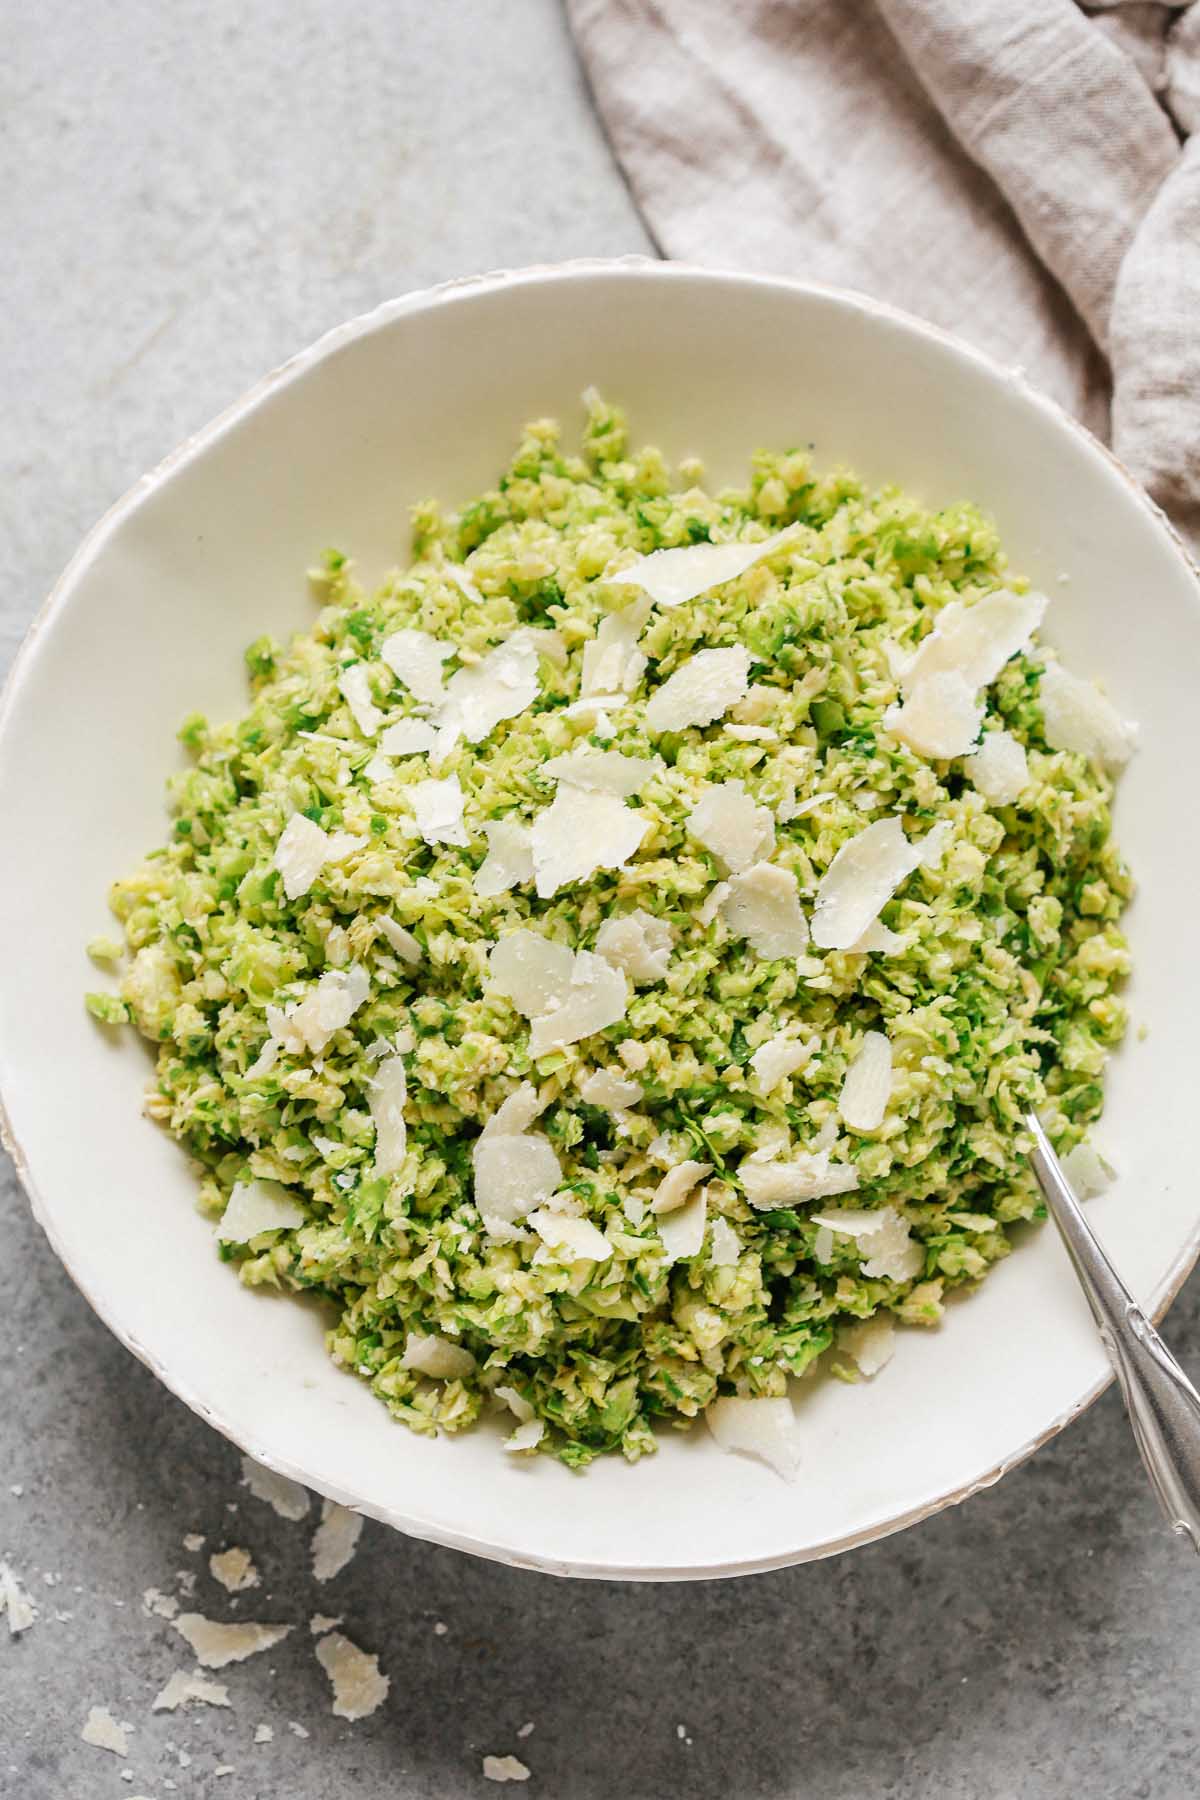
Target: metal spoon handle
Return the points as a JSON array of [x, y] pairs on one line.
[[1163, 1406]]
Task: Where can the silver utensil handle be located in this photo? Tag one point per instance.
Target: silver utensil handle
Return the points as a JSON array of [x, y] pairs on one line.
[[1163, 1406]]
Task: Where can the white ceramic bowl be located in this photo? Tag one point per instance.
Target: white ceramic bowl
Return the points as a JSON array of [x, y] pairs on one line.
[[423, 397]]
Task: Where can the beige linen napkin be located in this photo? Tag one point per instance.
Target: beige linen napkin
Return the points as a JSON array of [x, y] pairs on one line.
[[1018, 171]]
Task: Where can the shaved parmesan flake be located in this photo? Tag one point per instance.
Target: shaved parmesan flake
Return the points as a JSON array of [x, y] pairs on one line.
[[726, 821], [808, 1175], [234, 1569], [605, 1088], [765, 1429], [256, 1206], [214, 1643], [401, 940], [102, 1730], [931, 849], [327, 1008], [725, 1246], [580, 832], [868, 1084], [438, 809], [999, 768], [408, 737], [603, 771], [185, 1689], [355, 685], [379, 768], [388, 1091], [15, 1603], [533, 971], [436, 1356], [504, 1768], [335, 1540], [882, 1238], [763, 906], [638, 943], [264, 1062], [612, 662], [509, 861], [878, 938], [456, 573], [512, 1175], [516, 1113], [579, 1238], [700, 690], [871, 1342], [156, 1604], [940, 719], [281, 1493], [516, 1403], [1087, 1171], [416, 658], [321, 1622], [682, 1232], [526, 1437], [780, 1056], [596, 998], [499, 686], [1077, 716], [677, 1184], [304, 849], [976, 641], [671, 577], [358, 1687], [713, 901], [859, 881]]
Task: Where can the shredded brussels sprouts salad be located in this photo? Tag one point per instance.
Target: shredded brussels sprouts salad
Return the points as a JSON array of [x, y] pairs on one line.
[[610, 963]]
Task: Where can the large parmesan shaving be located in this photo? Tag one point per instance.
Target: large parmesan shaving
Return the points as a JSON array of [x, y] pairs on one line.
[[388, 1089], [596, 998], [408, 737], [725, 1246], [438, 809], [603, 771], [671, 577], [867, 1087], [509, 861], [436, 1356], [532, 970], [416, 658], [214, 1643], [764, 1428], [677, 1184], [700, 690], [304, 849], [516, 1112], [512, 1175], [358, 1687], [808, 1175], [499, 686], [976, 641], [877, 938], [638, 943], [682, 1232], [859, 881], [281, 1493], [326, 1008], [940, 719], [186, 1689], [999, 768], [579, 832], [612, 662], [256, 1206], [1077, 716], [883, 1240], [763, 906], [516, 1403], [780, 1056], [871, 1342], [335, 1540], [603, 1087], [579, 1238], [726, 821], [355, 684]]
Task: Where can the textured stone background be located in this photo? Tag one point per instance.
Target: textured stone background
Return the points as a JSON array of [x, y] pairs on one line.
[[191, 192]]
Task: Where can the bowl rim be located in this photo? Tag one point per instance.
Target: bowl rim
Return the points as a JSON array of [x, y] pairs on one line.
[[635, 267]]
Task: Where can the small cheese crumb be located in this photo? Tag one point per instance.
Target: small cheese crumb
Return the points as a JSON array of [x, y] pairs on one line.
[[263, 1734], [871, 1342], [1087, 1171], [15, 1602], [102, 1730], [296, 1729], [526, 1729], [234, 1569], [612, 663], [285, 1496], [321, 1622], [867, 1087], [437, 1357], [726, 821], [605, 1088], [526, 1437], [156, 1603], [215, 1643], [355, 685], [999, 768], [504, 1768], [402, 941], [186, 1689], [764, 1428], [725, 1246], [335, 1540], [578, 1238], [700, 690], [256, 1206], [358, 1686], [193, 1541]]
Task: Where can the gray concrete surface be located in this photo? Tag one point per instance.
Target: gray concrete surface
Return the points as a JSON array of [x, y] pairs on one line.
[[190, 192]]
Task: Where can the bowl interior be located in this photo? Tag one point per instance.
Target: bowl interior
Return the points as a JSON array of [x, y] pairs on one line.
[[149, 623]]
